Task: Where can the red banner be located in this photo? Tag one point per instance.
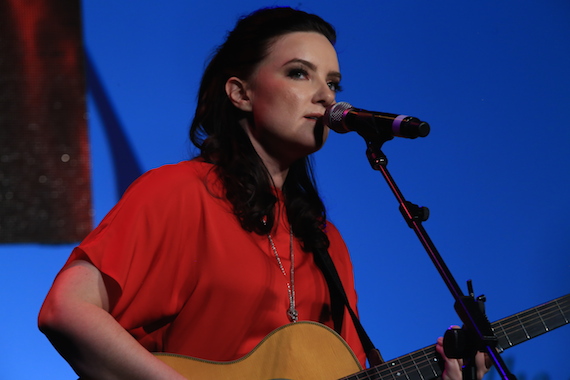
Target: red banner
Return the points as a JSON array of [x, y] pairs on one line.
[[45, 194]]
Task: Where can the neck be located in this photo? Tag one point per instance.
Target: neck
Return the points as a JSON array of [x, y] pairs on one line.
[[277, 172], [277, 167]]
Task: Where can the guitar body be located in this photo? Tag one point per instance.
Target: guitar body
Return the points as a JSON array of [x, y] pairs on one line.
[[302, 350]]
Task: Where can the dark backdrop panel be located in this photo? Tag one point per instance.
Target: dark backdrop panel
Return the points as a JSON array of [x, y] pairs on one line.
[[45, 192]]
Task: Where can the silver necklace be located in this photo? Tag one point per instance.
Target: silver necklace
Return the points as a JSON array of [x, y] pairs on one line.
[[292, 311]]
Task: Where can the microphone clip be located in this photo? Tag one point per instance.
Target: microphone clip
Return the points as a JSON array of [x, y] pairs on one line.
[[414, 213]]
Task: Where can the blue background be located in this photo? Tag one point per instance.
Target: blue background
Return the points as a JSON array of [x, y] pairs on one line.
[[492, 79]]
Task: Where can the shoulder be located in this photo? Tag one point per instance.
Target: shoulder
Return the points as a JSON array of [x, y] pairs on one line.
[[159, 197], [333, 233], [168, 189], [173, 178], [337, 248], [181, 172]]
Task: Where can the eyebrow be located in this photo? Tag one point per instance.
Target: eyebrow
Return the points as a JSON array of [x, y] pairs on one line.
[[312, 66]]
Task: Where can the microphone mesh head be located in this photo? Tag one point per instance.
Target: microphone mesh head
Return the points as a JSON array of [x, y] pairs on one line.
[[333, 117]]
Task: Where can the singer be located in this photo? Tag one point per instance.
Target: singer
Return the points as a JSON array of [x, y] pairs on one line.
[[206, 257]]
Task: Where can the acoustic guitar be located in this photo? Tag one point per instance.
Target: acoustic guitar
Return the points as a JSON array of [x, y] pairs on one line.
[[311, 351]]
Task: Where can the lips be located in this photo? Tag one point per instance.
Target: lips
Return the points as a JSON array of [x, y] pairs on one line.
[[314, 116], [318, 119]]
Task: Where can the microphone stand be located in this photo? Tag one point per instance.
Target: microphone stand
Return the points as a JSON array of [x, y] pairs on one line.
[[477, 334]]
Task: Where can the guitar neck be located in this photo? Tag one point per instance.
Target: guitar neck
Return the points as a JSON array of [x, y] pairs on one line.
[[528, 324], [424, 364]]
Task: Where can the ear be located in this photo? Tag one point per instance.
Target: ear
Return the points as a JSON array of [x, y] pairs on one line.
[[236, 89]]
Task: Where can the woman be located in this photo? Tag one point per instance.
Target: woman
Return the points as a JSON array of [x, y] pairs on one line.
[[206, 257]]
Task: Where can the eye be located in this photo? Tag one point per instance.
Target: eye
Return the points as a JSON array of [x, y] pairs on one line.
[[335, 86], [298, 73]]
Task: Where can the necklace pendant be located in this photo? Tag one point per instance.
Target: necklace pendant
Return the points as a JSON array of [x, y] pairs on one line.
[[293, 314]]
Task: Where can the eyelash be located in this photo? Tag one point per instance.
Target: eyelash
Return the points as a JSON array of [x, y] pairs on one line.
[[336, 86], [296, 72]]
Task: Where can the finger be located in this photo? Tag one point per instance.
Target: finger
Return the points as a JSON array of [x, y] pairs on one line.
[[483, 362], [452, 367]]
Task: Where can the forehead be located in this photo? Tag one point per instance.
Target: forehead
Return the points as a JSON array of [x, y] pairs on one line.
[[309, 46]]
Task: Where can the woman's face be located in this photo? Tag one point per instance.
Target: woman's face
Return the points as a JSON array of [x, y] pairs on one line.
[[288, 94]]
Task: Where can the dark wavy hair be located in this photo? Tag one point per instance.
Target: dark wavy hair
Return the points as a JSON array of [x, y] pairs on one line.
[[222, 141]]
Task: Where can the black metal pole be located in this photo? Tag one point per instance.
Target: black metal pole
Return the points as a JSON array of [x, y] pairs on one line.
[[466, 306]]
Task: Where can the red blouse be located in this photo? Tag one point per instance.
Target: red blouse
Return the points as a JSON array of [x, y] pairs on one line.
[[184, 277]]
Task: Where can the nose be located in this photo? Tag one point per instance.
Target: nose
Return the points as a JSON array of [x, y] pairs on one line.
[[324, 94]]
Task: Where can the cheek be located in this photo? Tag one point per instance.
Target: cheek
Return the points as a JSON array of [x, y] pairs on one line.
[[266, 95], [275, 102]]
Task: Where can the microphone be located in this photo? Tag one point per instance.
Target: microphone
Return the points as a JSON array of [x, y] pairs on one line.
[[342, 117]]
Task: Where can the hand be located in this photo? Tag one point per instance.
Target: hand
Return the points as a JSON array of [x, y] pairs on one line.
[[453, 367]]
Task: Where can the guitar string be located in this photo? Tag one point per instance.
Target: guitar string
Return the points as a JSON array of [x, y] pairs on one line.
[[547, 312], [399, 368], [508, 326], [527, 321], [533, 315], [566, 302]]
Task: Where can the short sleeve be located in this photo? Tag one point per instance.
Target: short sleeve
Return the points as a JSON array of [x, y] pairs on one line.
[[141, 245]]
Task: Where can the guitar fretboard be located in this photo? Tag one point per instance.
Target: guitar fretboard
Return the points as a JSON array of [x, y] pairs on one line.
[[533, 322], [424, 364]]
